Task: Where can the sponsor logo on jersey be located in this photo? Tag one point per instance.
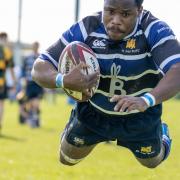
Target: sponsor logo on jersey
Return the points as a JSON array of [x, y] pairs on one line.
[[163, 29], [100, 44]]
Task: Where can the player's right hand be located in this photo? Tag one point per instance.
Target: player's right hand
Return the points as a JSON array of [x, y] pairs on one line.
[[77, 81]]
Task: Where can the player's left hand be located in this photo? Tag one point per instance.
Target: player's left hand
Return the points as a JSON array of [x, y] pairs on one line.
[[128, 103]]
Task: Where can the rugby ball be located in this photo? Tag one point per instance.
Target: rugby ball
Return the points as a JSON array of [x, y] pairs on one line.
[[72, 55]]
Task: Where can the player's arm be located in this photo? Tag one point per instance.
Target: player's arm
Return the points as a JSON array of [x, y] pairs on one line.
[[45, 75], [165, 50], [169, 85], [13, 75], [45, 67]]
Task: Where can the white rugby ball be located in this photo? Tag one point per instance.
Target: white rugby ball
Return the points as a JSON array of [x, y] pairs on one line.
[[72, 55]]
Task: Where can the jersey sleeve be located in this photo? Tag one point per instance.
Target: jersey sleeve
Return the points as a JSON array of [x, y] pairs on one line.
[[164, 47], [53, 53], [77, 32]]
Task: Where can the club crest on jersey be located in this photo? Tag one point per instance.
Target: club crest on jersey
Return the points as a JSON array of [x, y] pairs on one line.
[[100, 44], [131, 44]]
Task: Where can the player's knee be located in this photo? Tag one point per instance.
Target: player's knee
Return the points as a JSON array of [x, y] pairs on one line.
[[64, 162], [150, 162], [67, 160], [150, 165]]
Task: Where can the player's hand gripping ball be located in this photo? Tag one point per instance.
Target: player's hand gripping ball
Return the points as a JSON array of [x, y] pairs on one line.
[[72, 55]]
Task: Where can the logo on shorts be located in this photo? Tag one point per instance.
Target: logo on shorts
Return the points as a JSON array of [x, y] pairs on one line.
[[78, 141], [146, 150]]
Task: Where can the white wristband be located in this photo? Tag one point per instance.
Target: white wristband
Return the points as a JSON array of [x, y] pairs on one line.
[[149, 99], [59, 80]]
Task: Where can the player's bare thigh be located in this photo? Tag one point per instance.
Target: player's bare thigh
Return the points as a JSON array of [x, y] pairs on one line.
[[71, 155], [153, 162]]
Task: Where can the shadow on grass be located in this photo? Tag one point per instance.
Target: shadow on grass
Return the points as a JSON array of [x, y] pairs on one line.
[[12, 138], [47, 129]]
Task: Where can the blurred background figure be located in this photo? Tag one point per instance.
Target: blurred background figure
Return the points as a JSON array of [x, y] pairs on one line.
[[23, 106], [11, 91], [51, 95], [31, 92], [6, 61]]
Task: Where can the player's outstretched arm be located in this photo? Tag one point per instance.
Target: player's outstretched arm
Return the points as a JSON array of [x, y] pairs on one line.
[[44, 74], [169, 85]]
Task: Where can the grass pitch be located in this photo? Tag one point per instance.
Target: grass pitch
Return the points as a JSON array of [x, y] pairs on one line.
[[32, 154]]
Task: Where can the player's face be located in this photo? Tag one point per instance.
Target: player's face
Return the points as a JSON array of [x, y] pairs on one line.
[[119, 17], [3, 40]]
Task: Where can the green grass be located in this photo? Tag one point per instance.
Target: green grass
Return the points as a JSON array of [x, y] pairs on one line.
[[32, 154]]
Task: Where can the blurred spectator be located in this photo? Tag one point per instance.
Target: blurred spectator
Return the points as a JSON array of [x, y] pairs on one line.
[[33, 91], [11, 92], [23, 106], [6, 61]]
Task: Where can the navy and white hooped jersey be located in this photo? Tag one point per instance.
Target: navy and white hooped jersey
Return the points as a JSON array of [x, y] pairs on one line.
[[131, 66]]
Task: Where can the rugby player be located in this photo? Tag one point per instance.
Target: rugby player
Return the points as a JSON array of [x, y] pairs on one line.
[[6, 61], [139, 59], [33, 91]]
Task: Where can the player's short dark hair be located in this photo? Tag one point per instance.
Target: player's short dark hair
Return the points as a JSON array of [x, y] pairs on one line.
[[3, 35], [139, 2]]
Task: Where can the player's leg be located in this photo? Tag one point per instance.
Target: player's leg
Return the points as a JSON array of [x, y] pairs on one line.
[[22, 101], [1, 112], [3, 94], [154, 161], [38, 95], [33, 93], [77, 140], [22, 113], [71, 155], [35, 110], [164, 152]]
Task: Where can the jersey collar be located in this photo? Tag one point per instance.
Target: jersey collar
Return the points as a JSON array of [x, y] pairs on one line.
[[134, 31]]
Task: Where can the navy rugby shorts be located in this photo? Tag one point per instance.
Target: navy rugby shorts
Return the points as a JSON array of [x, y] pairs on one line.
[[141, 132], [33, 90], [3, 93]]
